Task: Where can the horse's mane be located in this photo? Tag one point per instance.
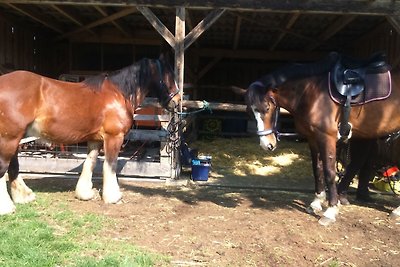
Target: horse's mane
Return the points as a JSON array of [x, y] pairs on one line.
[[298, 71], [126, 79], [293, 71]]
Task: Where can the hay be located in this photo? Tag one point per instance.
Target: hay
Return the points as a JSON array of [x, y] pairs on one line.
[[244, 157]]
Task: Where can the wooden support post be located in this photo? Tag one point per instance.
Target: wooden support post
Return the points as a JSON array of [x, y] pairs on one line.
[[179, 48]]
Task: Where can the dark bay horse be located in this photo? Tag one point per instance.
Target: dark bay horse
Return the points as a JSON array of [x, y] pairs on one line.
[[98, 111], [302, 89]]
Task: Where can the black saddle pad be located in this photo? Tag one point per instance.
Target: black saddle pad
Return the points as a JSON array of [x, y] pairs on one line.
[[377, 87]]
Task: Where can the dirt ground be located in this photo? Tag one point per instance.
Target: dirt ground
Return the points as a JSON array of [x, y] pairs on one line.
[[207, 225]]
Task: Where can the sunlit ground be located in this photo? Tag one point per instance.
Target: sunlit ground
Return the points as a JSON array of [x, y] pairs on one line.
[[242, 161]]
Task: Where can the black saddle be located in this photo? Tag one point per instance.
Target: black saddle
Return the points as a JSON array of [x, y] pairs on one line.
[[348, 74], [349, 78]]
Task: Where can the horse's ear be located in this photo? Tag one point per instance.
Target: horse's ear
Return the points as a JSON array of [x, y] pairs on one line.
[[238, 90]]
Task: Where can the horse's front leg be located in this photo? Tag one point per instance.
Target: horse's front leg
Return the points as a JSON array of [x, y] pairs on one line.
[[328, 156], [320, 195], [111, 191], [84, 187]]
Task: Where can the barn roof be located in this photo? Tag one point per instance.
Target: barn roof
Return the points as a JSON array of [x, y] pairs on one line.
[[247, 29]]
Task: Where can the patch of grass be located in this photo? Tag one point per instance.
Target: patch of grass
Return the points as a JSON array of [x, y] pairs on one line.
[[52, 235]]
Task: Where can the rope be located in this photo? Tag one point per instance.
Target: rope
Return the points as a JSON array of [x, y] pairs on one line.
[[206, 106]]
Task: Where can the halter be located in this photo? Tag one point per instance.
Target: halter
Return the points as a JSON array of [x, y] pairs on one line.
[[274, 129], [163, 86]]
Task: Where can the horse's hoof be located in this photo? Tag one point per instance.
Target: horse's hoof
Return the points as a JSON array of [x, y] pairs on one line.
[[112, 199], [85, 195], [7, 209], [25, 199], [22, 197], [314, 209], [325, 221]]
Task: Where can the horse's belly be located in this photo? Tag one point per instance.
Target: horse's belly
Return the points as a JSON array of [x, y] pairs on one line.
[[60, 132]]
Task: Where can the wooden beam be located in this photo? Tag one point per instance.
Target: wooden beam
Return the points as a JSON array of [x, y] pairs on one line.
[[208, 67], [158, 25], [113, 22], [360, 7], [236, 37], [41, 21], [99, 22], [339, 24], [203, 26], [280, 29], [70, 17], [289, 56], [293, 18], [394, 21]]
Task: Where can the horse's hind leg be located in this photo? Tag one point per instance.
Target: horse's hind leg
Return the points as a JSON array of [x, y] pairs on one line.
[[84, 187], [20, 192], [6, 204]]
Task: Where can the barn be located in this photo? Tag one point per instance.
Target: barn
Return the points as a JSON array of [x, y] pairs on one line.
[[212, 44]]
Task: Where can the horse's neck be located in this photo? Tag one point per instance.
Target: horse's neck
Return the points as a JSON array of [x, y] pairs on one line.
[[293, 94]]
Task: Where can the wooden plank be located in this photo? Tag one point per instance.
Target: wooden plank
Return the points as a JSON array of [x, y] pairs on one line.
[[376, 7], [158, 25], [41, 21], [260, 54], [149, 135], [293, 18], [117, 15], [394, 20], [208, 67], [125, 166], [203, 26], [70, 17], [195, 104], [113, 22], [339, 24], [141, 117], [237, 33]]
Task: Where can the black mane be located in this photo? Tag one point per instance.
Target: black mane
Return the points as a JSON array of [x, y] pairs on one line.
[[126, 79], [299, 71]]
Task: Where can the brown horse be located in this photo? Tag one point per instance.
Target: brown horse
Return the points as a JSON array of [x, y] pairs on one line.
[[302, 89], [98, 110]]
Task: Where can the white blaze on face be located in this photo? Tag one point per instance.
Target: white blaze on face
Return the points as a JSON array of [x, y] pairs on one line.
[[264, 143]]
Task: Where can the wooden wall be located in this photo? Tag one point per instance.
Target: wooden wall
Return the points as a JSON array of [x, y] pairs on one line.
[[383, 38], [23, 48]]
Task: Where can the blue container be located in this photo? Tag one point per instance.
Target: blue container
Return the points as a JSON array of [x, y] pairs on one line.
[[201, 168]]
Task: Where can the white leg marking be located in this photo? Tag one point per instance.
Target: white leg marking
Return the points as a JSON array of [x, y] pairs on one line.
[[395, 213], [83, 190], [111, 192], [316, 205], [6, 204], [20, 192], [329, 216]]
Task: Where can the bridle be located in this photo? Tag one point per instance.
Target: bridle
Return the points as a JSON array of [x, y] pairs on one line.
[[274, 129], [163, 86]]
